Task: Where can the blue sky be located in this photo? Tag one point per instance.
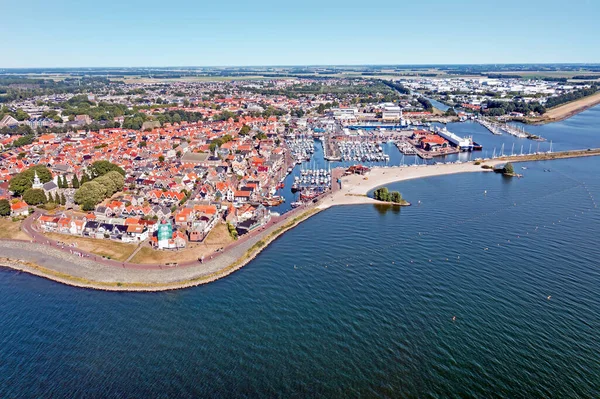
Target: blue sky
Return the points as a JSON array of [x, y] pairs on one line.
[[64, 33]]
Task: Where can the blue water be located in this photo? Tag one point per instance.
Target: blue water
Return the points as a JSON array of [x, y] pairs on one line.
[[579, 132], [356, 301]]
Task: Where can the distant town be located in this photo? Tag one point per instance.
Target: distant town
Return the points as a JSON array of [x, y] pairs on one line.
[[167, 160]]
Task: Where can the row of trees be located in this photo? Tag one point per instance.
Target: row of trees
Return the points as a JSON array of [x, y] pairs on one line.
[[179, 116], [574, 95], [13, 88], [103, 111], [19, 114], [396, 86], [219, 142], [425, 103], [383, 194], [36, 196], [497, 108]]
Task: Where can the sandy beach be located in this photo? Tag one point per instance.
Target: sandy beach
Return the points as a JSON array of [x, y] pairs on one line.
[[567, 110], [355, 187]]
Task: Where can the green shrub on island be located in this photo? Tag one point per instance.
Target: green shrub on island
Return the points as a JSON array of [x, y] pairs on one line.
[[508, 169], [383, 194]]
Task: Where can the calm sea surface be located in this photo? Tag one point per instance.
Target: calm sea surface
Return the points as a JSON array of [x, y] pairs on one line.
[[356, 301]]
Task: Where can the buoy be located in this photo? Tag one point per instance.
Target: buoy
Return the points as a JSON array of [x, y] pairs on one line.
[[549, 296], [453, 318]]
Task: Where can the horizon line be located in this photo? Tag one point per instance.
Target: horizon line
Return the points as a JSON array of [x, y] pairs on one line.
[[302, 65]]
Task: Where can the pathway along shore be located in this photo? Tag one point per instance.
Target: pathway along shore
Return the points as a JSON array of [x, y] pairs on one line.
[[88, 271]]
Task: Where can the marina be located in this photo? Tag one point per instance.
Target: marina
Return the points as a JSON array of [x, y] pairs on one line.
[[311, 183], [498, 128], [301, 148]]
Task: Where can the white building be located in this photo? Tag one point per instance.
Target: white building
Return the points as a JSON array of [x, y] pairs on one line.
[[391, 113]]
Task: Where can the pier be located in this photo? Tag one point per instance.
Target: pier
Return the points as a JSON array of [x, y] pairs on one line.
[[331, 151], [493, 127], [497, 128]]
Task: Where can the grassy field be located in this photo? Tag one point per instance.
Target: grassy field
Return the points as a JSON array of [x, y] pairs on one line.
[[218, 237], [112, 249], [12, 230]]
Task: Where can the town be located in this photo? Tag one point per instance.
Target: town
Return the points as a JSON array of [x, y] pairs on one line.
[[166, 164]]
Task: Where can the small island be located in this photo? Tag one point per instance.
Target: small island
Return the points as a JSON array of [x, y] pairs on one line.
[[383, 194], [507, 170]]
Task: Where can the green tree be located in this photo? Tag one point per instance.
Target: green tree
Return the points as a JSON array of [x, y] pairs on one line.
[[91, 192], [509, 169], [88, 206], [63, 199], [21, 115], [111, 182], [261, 136], [100, 168], [244, 130], [34, 196], [161, 158], [50, 198], [75, 182], [382, 194], [24, 180], [395, 197], [20, 183], [4, 207], [232, 231]]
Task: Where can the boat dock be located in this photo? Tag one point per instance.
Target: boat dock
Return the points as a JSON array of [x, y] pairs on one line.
[[331, 151], [493, 127], [497, 128]]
